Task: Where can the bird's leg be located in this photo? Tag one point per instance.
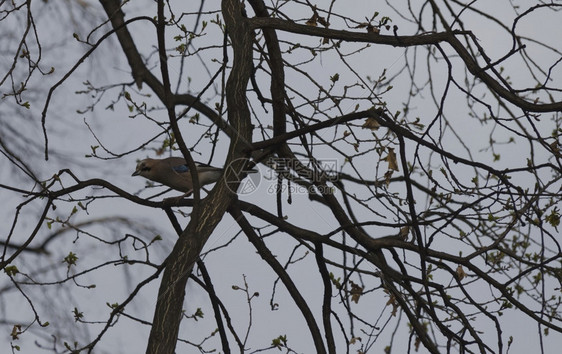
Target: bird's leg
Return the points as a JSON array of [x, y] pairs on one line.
[[186, 193]]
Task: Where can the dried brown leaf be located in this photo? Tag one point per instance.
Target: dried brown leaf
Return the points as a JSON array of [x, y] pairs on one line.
[[404, 232], [356, 292], [373, 29], [460, 272], [371, 123], [387, 177], [391, 159], [313, 21]]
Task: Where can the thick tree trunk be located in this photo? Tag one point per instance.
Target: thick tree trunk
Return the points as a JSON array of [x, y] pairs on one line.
[[206, 215]]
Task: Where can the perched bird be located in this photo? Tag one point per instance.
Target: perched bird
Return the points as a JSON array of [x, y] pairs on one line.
[[174, 173]]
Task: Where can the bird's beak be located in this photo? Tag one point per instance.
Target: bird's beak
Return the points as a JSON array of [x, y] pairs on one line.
[[136, 173]]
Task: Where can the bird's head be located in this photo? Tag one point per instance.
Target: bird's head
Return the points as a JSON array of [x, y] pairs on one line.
[[144, 168]]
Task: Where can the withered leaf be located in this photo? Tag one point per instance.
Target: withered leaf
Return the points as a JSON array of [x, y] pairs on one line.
[[460, 272], [313, 21], [404, 231], [387, 177], [373, 29], [391, 159], [371, 123], [356, 292]]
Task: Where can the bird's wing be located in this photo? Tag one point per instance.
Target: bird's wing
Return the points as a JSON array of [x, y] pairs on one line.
[[181, 168], [202, 168], [179, 165]]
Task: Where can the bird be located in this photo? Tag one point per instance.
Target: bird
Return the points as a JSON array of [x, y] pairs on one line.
[[174, 173]]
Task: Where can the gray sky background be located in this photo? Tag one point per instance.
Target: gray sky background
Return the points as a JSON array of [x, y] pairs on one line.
[[70, 137]]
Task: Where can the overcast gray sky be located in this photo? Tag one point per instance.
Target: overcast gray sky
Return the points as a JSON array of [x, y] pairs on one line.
[[71, 137]]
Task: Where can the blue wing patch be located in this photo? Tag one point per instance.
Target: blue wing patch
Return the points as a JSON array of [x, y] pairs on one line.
[[181, 168]]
